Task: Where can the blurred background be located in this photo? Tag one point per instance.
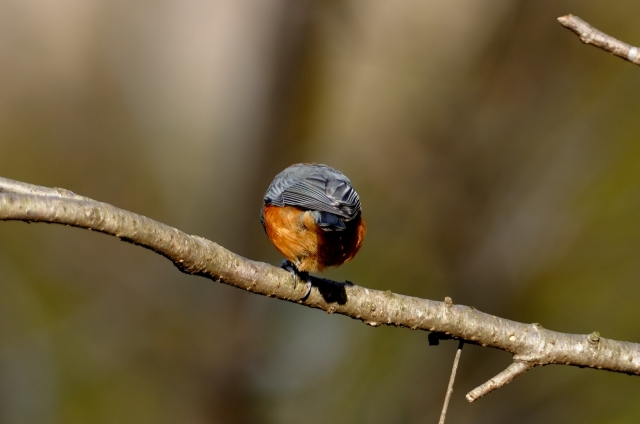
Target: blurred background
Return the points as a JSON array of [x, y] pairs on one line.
[[497, 159]]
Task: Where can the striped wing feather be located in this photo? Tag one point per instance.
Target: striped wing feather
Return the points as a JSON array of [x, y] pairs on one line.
[[315, 187]]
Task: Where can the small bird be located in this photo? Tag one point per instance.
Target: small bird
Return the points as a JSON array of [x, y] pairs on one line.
[[312, 215]]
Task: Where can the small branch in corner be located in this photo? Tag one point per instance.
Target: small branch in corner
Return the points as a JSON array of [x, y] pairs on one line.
[[591, 35]]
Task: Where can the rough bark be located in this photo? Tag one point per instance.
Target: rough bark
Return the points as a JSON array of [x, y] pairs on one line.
[[530, 344]]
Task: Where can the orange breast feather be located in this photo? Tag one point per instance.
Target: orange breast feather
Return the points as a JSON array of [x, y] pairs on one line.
[[297, 237]]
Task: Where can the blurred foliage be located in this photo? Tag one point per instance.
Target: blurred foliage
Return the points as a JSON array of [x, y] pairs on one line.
[[496, 156]]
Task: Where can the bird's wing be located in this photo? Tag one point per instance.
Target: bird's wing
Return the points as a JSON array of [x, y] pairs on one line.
[[316, 189]]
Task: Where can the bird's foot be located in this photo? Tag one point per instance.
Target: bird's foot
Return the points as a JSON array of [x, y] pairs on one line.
[[304, 276], [307, 292], [287, 265]]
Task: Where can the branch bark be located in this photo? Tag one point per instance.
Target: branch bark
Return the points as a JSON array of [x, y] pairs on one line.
[[530, 344], [591, 35]]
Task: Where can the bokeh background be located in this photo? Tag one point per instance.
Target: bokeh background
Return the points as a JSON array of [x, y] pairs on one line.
[[497, 158]]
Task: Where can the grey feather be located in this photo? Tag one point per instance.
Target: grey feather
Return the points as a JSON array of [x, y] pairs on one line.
[[328, 221], [318, 188]]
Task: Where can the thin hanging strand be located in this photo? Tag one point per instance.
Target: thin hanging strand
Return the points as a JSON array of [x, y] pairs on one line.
[[451, 380]]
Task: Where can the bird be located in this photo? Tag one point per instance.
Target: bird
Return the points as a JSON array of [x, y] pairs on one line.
[[312, 215]]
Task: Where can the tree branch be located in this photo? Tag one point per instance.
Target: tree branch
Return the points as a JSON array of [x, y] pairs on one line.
[[590, 35], [530, 344]]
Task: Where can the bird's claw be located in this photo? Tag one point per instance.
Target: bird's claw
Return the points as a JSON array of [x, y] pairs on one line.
[[307, 291], [287, 265]]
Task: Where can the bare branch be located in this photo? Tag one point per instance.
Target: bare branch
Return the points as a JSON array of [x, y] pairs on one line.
[[530, 344], [590, 35], [505, 377], [12, 186]]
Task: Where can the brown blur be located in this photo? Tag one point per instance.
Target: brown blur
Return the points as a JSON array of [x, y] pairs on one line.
[[497, 159]]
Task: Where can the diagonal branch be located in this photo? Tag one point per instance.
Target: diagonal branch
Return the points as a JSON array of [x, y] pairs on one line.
[[530, 344], [513, 370], [590, 35]]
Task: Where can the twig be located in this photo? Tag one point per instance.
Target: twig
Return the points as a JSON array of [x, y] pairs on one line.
[[530, 344], [451, 380], [505, 377], [590, 35]]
